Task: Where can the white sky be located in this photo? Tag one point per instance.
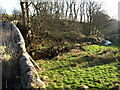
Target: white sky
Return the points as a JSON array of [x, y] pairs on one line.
[[110, 6]]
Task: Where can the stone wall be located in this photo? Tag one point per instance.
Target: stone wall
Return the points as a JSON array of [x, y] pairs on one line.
[[19, 69]]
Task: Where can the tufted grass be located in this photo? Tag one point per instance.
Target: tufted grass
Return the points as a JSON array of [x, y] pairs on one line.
[[92, 68]]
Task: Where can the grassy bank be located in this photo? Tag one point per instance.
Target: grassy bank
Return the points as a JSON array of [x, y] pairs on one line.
[[95, 67]]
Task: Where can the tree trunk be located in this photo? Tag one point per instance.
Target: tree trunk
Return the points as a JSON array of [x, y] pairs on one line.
[[25, 12]]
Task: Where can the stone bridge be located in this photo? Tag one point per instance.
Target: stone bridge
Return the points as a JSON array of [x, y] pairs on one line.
[[18, 68]]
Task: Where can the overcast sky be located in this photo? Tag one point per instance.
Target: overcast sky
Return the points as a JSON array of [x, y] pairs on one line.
[[110, 6]]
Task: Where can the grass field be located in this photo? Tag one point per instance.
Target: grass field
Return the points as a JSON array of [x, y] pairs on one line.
[[97, 67]]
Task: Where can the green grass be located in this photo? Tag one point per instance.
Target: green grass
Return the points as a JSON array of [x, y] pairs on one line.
[[75, 71], [99, 49]]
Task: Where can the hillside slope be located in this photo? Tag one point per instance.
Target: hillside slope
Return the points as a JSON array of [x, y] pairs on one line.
[[53, 36]]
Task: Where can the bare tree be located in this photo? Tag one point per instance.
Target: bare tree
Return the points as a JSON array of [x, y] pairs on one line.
[[66, 13], [76, 9], [25, 12], [16, 14], [91, 8], [100, 22], [62, 9]]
